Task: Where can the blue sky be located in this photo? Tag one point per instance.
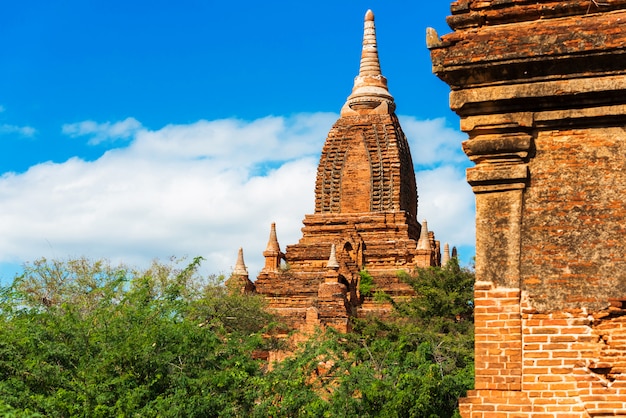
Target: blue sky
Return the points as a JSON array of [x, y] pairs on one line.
[[134, 130]]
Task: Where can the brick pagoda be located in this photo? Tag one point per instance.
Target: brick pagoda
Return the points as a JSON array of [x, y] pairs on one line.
[[365, 214], [540, 87]]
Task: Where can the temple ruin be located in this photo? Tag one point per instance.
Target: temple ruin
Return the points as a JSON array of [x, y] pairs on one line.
[[365, 217], [540, 87]]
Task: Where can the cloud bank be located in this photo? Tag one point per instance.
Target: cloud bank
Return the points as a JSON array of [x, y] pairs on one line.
[[26, 131], [101, 132], [204, 189], [9, 129]]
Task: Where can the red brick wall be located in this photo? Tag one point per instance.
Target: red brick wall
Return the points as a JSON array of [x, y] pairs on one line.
[[498, 338], [529, 364]]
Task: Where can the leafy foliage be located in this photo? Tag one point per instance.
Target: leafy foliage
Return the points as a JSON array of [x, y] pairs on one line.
[[417, 363], [366, 283], [84, 338]]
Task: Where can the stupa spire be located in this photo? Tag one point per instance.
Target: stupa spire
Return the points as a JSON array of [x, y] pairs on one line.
[[370, 64], [370, 86], [272, 244], [272, 253], [332, 260], [446, 254], [240, 266], [424, 241]]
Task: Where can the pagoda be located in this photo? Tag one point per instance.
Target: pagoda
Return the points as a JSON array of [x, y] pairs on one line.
[[365, 226]]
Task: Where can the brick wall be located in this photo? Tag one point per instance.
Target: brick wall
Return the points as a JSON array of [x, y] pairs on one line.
[[498, 338], [574, 224], [540, 87], [570, 363]]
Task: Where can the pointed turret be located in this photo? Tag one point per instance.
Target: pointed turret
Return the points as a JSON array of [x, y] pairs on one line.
[[428, 252], [240, 266], [332, 296], [272, 244], [239, 281], [272, 253], [446, 254], [424, 242], [370, 86], [332, 260]]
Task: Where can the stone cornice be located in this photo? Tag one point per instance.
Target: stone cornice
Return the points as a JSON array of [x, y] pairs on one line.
[[478, 13], [496, 148], [523, 96], [532, 51], [497, 177]]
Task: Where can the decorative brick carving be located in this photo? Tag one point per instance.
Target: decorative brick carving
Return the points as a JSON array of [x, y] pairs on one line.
[[540, 87]]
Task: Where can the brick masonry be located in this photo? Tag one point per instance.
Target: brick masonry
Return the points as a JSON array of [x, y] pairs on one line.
[[540, 87], [365, 215]]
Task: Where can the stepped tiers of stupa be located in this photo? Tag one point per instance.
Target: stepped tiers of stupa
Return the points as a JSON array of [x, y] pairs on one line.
[[365, 214]]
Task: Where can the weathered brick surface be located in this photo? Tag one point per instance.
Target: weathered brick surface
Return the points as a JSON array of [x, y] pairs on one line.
[[477, 13], [573, 44], [574, 225], [540, 87]]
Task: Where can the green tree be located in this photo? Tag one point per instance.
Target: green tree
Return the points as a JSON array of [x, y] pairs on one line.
[[416, 363], [82, 338]]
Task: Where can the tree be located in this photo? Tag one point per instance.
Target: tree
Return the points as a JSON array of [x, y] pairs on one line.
[[82, 338], [417, 363]]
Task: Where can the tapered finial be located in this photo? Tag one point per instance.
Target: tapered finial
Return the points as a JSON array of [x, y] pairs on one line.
[[424, 241], [332, 260], [370, 64], [370, 87], [240, 266], [272, 244]]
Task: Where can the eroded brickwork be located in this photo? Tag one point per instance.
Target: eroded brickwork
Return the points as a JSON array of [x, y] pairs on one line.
[[574, 229], [540, 87], [568, 363]]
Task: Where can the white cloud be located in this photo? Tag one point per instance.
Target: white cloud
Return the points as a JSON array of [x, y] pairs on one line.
[[5, 129], [27, 131], [205, 188], [446, 201], [232, 142], [433, 142], [101, 132]]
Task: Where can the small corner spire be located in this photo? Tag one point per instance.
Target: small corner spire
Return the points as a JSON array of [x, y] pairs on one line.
[[272, 244], [240, 266], [446, 254], [424, 241], [332, 260], [272, 253]]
